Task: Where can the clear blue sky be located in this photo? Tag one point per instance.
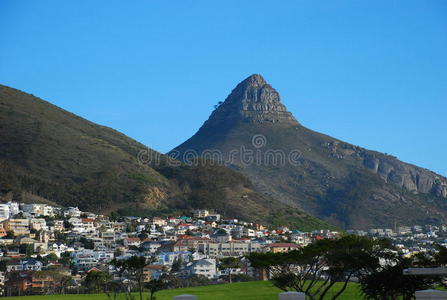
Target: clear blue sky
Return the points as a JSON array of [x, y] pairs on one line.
[[373, 73]]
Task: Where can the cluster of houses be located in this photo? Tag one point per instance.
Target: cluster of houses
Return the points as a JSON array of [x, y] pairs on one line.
[[410, 240], [35, 238], [38, 241]]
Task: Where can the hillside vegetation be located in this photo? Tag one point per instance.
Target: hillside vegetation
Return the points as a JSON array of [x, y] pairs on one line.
[[53, 156]]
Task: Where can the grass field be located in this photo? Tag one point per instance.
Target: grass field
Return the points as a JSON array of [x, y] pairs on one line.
[[257, 290]]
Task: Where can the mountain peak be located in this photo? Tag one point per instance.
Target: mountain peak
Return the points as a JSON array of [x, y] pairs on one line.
[[253, 100], [254, 80]]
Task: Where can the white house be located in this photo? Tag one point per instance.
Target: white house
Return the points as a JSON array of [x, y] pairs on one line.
[[73, 212], [4, 211], [204, 267]]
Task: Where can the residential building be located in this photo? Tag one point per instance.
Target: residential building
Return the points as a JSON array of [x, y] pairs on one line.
[[233, 249], [18, 226], [204, 267], [201, 213], [152, 272], [4, 211], [281, 247]]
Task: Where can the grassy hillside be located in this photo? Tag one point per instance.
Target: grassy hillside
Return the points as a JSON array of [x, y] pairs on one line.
[[53, 156], [257, 290], [51, 153]]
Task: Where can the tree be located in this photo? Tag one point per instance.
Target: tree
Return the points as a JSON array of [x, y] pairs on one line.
[[440, 259], [441, 256], [156, 285], [176, 265], [316, 268], [13, 284], [65, 258], [54, 282], [88, 243], [9, 234], [2, 265], [143, 236], [133, 267], [51, 257], [390, 283], [64, 282], [67, 225], [96, 281], [230, 263], [218, 104], [114, 216], [26, 249], [113, 289]]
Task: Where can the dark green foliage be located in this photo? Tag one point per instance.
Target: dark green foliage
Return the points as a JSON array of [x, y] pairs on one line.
[[95, 281], [390, 283], [65, 259], [88, 243], [142, 236], [50, 257], [26, 249], [316, 268], [2, 266], [441, 255], [176, 265]]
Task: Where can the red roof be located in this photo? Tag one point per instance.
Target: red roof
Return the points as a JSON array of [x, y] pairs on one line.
[[130, 239], [93, 270], [154, 267], [87, 220], [283, 245], [192, 238]]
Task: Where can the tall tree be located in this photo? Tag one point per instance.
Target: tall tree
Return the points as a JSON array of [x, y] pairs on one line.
[[96, 281], [230, 263], [133, 267], [156, 285]]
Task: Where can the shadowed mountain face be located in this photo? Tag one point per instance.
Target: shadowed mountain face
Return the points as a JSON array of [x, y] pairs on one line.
[[252, 132], [50, 155]]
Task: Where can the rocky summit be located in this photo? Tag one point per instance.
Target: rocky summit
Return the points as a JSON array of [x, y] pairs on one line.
[[342, 183], [253, 100]]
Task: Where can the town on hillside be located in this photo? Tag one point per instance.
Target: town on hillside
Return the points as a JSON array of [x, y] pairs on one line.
[[47, 249]]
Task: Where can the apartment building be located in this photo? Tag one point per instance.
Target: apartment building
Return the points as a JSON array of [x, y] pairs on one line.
[[18, 226], [229, 249]]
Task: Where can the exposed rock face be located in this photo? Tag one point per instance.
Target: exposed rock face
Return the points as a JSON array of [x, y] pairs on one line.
[[410, 177], [345, 184], [392, 170], [253, 100]]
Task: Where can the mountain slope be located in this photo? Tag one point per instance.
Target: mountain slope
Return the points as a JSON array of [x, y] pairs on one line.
[[50, 155], [339, 182]]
